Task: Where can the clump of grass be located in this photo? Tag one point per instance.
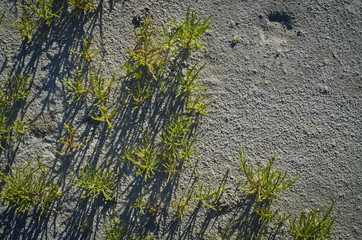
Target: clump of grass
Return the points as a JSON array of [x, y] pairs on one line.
[[141, 204], [84, 6], [18, 87], [191, 30], [141, 95], [264, 184], [28, 187], [105, 115], [177, 148], [199, 193], [100, 88], [25, 28], [317, 224], [149, 57], [189, 84], [197, 104], [85, 51], [169, 36], [76, 87], [178, 144], [183, 203], [117, 231], [43, 10], [95, 181], [14, 89], [144, 158], [268, 215], [69, 141], [205, 195], [14, 131], [156, 50]]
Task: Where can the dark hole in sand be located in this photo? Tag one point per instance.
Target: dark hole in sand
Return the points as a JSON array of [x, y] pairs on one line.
[[286, 19]]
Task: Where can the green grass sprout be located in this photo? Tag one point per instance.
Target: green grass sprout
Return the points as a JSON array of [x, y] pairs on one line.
[[204, 195], [317, 224], [141, 204], [105, 115], [100, 88], [69, 141], [26, 28], [189, 84], [181, 204], [149, 57], [85, 51], [96, 182], [18, 87], [265, 184], [43, 10], [191, 30], [28, 187], [143, 158], [76, 87], [140, 96], [82, 5], [178, 145]]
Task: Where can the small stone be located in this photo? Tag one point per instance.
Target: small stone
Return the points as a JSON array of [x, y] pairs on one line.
[[323, 89]]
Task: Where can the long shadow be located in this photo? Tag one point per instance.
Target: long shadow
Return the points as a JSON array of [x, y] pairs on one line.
[[54, 44], [130, 127]]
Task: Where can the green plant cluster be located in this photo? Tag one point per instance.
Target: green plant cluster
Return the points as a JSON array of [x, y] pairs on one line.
[[148, 64], [35, 12], [266, 185], [157, 50], [199, 194], [115, 230], [69, 141], [317, 224], [42, 11], [95, 181], [93, 82], [29, 187], [14, 89], [84, 6]]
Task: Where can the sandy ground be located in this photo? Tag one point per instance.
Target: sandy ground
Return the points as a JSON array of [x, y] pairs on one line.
[[291, 86]]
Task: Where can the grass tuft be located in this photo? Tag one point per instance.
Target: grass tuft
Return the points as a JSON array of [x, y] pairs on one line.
[[191, 30], [76, 87], [25, 28], [69, 141], [84, 6], [317, 224], [85, 51], [28, 187], [43, 10], [178, 145], [95, 182], [264, 184], [143, 158]]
